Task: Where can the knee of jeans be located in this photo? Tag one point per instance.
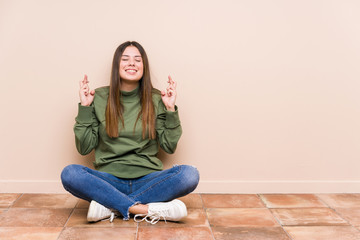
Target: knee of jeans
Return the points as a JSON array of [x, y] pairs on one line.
[[68, 174], [191, 176]]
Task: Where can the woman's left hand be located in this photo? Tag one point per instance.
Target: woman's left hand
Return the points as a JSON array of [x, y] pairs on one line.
[[169, 96]]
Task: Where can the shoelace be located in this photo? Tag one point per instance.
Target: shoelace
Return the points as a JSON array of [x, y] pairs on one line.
[[111, 218], [153, 218]]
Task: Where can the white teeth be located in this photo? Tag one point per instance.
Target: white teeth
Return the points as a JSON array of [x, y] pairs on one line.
[[130, 70]]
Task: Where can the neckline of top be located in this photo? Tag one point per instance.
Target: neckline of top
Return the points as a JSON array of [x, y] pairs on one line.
[[130, 95]]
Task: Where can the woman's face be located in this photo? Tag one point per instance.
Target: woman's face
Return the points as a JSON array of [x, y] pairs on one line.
[[131, 65]]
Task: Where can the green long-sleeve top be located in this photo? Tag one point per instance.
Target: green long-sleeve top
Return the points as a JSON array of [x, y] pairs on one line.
[[129, 155]]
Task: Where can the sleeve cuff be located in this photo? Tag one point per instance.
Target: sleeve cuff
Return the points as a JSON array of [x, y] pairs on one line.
[[85, 114], [172, 118]]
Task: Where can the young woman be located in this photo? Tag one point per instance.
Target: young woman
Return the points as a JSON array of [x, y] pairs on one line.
[[126, 123]]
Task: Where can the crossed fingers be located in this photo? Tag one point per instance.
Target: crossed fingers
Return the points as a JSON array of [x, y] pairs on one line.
[[171, 89], [84, 86]]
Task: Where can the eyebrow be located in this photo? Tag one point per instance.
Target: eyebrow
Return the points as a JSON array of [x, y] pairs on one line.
[[129, 56]]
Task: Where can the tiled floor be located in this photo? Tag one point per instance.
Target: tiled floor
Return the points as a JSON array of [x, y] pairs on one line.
[[210, 216]]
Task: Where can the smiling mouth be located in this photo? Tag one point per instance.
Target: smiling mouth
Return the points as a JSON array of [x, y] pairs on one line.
[[131, 71]]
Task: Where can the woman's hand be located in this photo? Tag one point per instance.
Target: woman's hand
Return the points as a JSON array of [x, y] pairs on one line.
[[86, 95], [169, 96]]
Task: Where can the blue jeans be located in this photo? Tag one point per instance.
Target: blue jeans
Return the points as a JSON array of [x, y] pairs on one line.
[[120, 194]]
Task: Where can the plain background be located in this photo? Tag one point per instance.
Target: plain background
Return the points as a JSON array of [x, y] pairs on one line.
[[268, 91]]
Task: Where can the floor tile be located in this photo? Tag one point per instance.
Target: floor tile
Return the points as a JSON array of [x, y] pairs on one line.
[[78, 219], [291, 200], [46, 201], [323, 233], [232, 201], [232, 216], [256, 233], [30, 233], [350, 214], [32, 217], [195, 218], [307, 216], [341, 200], [7, 199], [198, 233], [241, 217], [82, 204], [192, 201], [98, 233]]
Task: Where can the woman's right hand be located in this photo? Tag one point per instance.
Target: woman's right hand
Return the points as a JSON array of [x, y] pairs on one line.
[[86, 95]]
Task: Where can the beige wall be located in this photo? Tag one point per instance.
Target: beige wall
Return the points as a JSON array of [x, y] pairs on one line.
[[269, 91]]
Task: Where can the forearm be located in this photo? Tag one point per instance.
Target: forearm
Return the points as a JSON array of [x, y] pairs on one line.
[[86, 130], [169, 130]]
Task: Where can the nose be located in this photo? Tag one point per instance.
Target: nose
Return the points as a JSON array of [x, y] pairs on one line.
[[131, 62]]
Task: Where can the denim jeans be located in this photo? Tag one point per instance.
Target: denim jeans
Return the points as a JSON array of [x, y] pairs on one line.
[[120, 194]]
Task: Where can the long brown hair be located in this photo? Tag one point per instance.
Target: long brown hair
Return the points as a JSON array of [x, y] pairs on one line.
[[115, 109]]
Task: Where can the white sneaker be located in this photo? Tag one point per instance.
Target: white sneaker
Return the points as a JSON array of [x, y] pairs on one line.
[[98, 212], [168, 211]]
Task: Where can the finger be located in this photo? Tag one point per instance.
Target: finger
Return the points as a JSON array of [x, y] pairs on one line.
[[85, 79], [172, 82], [163, 93], [86, 82], [83, 90], [169, 80], [85, 87], [172, 87], [86, 90], [166, 92], [92, 92], [170, 92]]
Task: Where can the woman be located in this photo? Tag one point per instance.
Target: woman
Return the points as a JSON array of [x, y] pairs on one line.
[[126, 123]]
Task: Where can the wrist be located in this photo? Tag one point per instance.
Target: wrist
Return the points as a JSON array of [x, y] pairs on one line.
[[84, 105], [171, 109]]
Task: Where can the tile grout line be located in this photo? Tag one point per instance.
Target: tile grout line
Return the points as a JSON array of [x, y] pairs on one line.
[[322, 201], [22, 194], [277, 220], [326, 206], [12, 204], [334, 209], [358, 229], [261, 199], [207, 218], [71, 213]]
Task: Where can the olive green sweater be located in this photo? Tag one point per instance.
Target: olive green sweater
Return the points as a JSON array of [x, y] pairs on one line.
[[129, 155]]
